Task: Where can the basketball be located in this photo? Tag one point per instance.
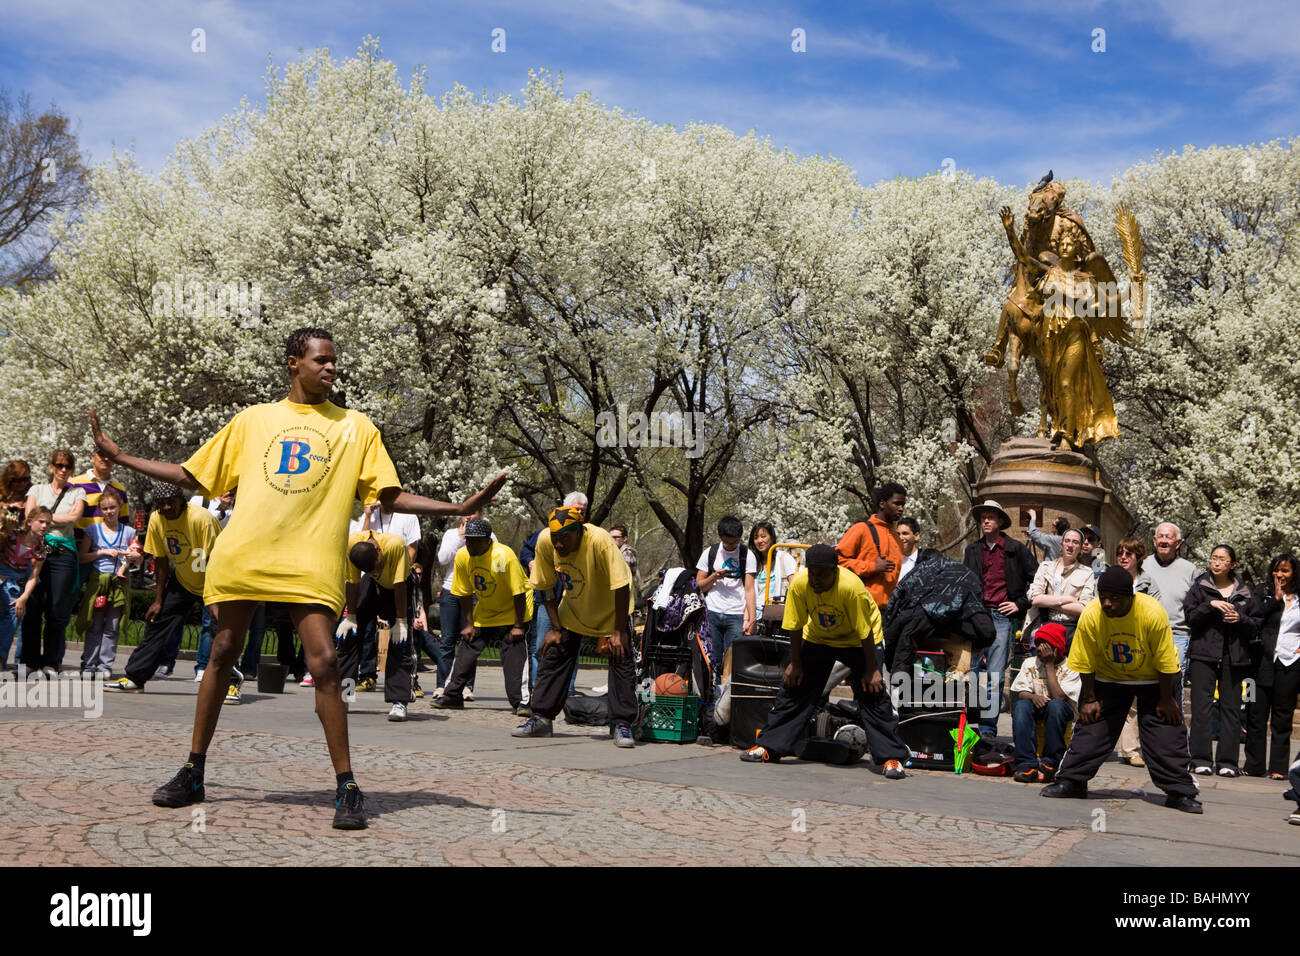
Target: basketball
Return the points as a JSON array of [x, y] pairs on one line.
[[671, 685]]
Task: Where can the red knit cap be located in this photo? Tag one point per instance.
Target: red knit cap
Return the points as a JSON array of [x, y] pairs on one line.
[[1053, 634]]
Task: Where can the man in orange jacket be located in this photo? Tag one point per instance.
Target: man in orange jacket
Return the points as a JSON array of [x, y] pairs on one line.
[[871, 549]]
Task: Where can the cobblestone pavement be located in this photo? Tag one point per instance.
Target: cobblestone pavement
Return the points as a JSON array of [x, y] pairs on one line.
[[457, 789]]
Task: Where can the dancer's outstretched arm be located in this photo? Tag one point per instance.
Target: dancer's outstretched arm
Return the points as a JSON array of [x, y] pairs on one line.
[[404, 502], [162, 470]]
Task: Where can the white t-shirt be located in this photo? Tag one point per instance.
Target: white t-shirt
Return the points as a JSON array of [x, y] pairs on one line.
[[727, 596], [782, 567], [908, 564], [1288, 634], [406, 527]]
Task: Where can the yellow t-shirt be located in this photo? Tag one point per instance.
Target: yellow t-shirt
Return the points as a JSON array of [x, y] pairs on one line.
[[298, 469], [397, 559], [840, 617], [494, 578], [1134, 649], [588, 575], [186, 543]]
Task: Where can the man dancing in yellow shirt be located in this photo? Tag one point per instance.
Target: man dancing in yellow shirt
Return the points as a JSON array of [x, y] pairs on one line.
[[1124, 648], [830, 616], [299, 464]]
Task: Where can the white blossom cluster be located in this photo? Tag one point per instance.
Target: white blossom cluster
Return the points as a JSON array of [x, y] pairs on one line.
[[499, 272]]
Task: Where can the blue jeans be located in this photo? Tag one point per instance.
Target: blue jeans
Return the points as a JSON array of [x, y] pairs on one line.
[[12, 585], [1056, 718], [724, 630], [1181, 640], [993, 661], [205, 642]]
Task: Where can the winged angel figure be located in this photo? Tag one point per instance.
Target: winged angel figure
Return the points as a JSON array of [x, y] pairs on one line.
[[1064, 306]]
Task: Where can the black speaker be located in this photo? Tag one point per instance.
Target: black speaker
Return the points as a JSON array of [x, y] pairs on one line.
[[759, 660], [757, 666]]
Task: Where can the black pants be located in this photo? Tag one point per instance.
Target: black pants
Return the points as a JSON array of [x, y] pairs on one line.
[[49, 610], [1164, 746], [176, 606], [1274, 704], [556, 670], [399, 669], [787, 725], [514, 657], [1203, 676]]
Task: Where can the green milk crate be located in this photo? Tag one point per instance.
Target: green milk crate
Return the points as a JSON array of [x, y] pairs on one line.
[[672, 719]]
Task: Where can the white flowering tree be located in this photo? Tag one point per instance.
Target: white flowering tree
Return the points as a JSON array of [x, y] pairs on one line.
[[501, 274]]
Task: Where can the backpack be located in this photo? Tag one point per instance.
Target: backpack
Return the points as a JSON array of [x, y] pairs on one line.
[[875, 535], [586, 711], [742, 555]]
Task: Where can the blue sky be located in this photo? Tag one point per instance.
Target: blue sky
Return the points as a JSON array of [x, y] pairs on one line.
[[1007, 88]]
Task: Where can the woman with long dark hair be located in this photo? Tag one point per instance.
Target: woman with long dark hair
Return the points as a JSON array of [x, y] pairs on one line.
[[46, 624], [761, 538], [1276, 606], [1218, 652]]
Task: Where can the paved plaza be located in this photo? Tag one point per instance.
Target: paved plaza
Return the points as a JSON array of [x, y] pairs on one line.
[[455, 788]]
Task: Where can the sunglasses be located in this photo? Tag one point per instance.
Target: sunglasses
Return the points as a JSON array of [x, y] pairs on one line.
[[63, 464]]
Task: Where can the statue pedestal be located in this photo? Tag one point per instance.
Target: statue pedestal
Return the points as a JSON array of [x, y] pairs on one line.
[[1028, 473]]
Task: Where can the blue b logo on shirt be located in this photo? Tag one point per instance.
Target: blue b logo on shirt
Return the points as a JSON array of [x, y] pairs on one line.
[[566, 580], [173, 546], [1121, 653], [293, 456], [480, 583], [825, 619]]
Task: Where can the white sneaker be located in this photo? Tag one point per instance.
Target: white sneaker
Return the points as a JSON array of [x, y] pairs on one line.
[[437, 693], [307, 681], [603, 688], [161, 672], [398, 713], [198, 677], [468, 694]]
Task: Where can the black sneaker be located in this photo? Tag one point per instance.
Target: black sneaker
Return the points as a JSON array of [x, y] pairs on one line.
[[1065, 788], [447, 702], [1181, 801], [349, 808], [182, 790]]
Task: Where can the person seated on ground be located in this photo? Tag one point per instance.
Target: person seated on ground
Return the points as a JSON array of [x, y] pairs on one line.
[[1046, 692], [1124, 648], [830, 617]]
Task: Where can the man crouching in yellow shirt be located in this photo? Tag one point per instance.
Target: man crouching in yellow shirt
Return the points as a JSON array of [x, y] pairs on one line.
[[389, 594], [830, 617], [1124, 648]]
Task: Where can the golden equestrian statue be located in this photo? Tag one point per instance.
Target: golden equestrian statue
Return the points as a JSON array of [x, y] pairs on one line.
[[1063, 303]]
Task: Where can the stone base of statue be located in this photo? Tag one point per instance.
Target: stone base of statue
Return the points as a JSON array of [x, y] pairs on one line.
[[1030, 474]]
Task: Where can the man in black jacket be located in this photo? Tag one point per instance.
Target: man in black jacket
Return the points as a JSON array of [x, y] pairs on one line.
[[1006, 569]]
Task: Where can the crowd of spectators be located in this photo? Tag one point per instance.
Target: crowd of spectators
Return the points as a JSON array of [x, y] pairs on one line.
[[68, 548]]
